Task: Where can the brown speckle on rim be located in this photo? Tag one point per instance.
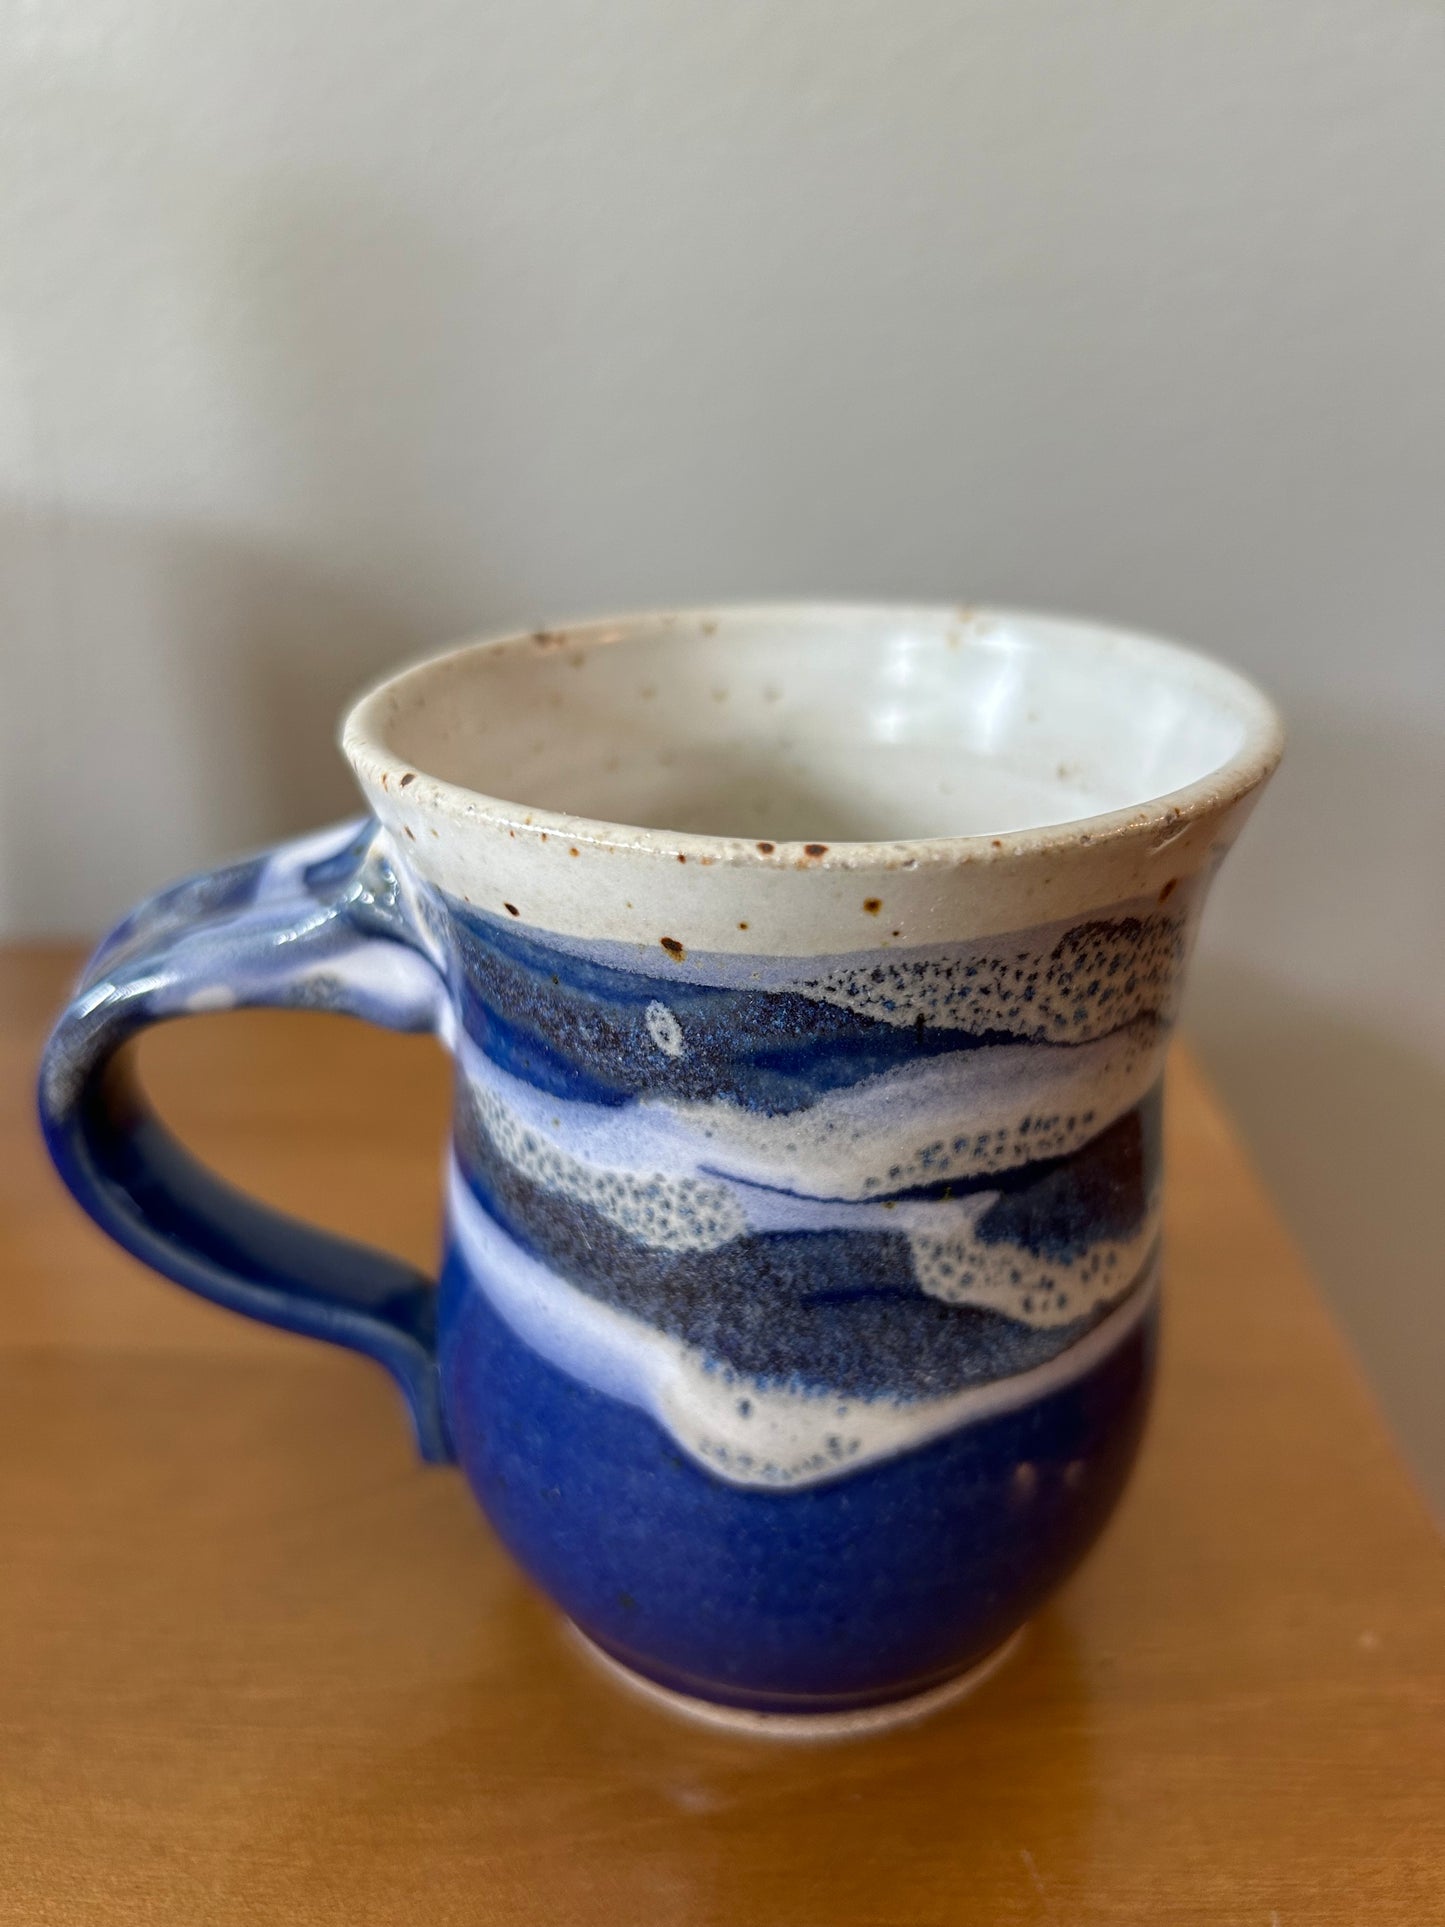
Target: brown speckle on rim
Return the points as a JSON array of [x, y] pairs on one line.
[[767, 848], [549, 638], [742, 926], [872, 905], [681, 857], [511, 909], [436, 832], [573, 850], [895, 933], [384, 783], [673, 948], [410, 831], [815, 849], [511, 832], [410, 777], [998, 842], [544, 836], [1169, 888]]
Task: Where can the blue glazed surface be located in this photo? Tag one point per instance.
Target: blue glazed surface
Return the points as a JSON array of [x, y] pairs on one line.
[[836, 1596], [797, 1321], [687, 1198], [790, 1177]]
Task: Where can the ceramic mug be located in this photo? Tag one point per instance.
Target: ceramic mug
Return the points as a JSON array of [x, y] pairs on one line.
[[809, 1009]]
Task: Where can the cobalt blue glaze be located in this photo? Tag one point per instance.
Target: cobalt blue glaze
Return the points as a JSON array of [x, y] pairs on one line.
[[833, 1597]]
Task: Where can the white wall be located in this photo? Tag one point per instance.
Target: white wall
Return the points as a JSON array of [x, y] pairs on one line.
[[333, 328]]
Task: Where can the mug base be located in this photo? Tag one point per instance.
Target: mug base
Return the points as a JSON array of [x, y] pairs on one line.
[[856, 1724]]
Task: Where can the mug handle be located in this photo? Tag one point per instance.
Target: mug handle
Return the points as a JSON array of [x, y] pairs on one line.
[[323, 923]]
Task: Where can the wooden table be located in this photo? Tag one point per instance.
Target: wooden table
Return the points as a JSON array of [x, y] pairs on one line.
[[257, 1665]]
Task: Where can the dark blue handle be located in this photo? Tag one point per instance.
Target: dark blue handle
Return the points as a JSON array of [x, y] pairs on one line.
[[323, 924]]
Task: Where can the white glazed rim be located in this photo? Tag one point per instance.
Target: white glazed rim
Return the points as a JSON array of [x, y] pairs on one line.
[[364, 743]]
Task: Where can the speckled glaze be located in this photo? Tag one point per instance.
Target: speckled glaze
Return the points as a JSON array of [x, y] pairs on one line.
[[798, 1303]]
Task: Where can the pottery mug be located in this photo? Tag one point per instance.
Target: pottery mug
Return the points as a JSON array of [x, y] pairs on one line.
[[809, 1007]]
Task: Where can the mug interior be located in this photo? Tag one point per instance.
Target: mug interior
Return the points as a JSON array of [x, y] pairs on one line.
[[841, 724]]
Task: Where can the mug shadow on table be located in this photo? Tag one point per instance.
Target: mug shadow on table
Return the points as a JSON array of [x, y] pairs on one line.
[[1344, 1123]]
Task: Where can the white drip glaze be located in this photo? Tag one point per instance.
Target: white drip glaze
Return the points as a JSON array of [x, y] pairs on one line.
[[745, 1432], [960, 1116], [696, 1177]]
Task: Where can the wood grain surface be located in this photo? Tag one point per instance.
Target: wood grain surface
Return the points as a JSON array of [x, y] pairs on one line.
[[257, 1665]]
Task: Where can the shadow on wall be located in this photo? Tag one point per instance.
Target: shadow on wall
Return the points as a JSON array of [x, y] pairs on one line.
[[1344, 1122], [293, 359], [180, 702]]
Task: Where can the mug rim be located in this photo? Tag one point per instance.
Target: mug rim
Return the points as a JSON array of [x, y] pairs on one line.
[[364, 743]]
